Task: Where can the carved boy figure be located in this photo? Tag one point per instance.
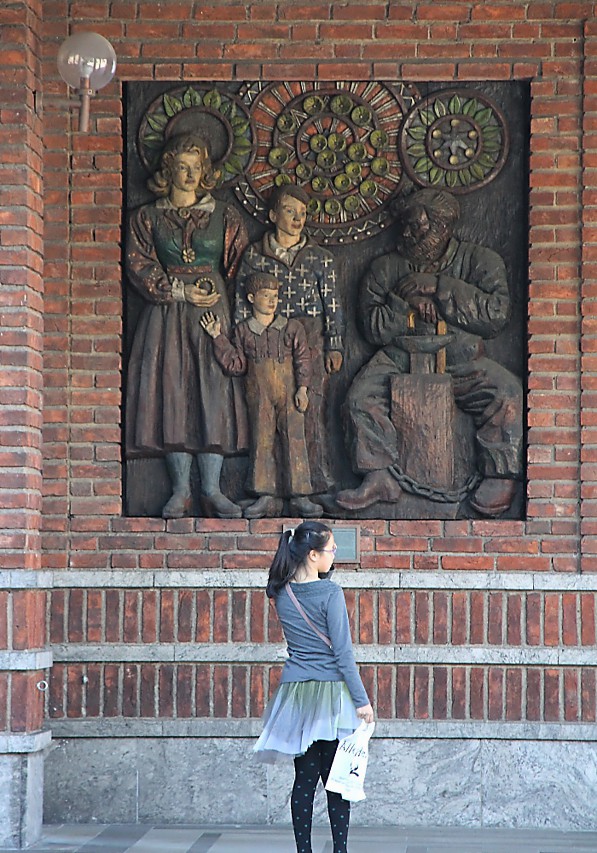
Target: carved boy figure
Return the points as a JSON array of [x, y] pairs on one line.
[[307, 280], [439, 277], [272, 352]]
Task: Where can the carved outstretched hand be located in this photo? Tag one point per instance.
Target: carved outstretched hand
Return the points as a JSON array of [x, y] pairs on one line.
[[301, 399], [211, 324]]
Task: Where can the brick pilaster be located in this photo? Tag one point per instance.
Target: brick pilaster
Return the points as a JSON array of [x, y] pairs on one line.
[[24, 660]]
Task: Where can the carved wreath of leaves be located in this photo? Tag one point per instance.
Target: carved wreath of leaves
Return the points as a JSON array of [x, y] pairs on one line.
[[153, 131], [454, 140]]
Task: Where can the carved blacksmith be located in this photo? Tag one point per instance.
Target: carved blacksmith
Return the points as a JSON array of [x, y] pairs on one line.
[[434, 276]]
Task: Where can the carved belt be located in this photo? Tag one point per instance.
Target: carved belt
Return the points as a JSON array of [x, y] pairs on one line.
[[192, 269]]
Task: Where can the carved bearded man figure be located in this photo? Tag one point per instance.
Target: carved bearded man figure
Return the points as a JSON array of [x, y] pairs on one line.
[[438, 277]]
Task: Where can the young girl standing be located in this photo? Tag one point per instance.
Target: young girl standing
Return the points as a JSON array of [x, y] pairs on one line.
[[321, 697]]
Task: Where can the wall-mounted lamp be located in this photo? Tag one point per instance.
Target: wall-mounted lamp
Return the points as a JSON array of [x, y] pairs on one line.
[[87, 62]]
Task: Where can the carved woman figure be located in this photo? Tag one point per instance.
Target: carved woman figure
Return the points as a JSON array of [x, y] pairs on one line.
[[183, 250]]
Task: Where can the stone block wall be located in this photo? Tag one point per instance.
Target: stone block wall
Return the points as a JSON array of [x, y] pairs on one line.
[[476, 638]]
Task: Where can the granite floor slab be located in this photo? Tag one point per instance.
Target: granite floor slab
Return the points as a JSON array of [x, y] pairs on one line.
[[260, 839]]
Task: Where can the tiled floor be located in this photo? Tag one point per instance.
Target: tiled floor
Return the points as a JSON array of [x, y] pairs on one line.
[[261, 839]]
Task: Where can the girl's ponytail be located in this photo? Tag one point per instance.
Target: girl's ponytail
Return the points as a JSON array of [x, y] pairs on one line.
[[292, 551]]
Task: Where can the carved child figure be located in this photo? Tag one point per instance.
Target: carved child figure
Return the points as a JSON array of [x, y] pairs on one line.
[[308, 292], [272, 353]]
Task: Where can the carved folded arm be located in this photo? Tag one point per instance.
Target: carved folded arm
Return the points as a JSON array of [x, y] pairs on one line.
[[479, 301], [385, 313]]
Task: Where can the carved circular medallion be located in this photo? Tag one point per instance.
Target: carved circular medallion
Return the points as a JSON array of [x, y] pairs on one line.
[[339, 141], [221, 118], [454, 139]]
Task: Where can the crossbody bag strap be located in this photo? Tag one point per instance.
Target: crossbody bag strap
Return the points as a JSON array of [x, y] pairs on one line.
[[298, 606]]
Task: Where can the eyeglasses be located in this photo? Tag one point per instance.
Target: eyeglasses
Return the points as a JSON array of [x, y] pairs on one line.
[[330, 550]]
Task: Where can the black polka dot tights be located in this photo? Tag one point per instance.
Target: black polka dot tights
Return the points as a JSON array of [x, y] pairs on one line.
[[315, 764]]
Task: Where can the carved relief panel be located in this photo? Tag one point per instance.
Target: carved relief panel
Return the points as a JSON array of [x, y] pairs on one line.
[[325, 299]]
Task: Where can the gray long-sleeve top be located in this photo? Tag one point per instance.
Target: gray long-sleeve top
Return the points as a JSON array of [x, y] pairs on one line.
[[310, 659]]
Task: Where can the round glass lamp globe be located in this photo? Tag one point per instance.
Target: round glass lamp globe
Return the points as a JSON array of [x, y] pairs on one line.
[[87, 56]]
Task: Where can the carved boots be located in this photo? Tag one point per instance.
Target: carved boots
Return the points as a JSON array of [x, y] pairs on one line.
[[376, 486], [303, 507], [493, 497], [266, 505], [179, 469]]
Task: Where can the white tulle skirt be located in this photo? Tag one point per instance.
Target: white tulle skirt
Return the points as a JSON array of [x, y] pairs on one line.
[[301, 712]]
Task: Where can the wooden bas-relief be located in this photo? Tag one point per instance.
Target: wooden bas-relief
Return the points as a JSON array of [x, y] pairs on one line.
[[325, 289]]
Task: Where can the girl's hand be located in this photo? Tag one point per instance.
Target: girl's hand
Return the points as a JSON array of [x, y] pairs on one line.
[[365, 713]]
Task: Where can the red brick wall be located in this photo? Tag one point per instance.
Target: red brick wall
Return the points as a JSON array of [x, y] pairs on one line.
[[22, 611], [419, 619], [549, 43]]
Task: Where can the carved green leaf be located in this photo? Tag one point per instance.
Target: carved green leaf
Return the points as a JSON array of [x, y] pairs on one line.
[[491, 130], [152, 140], [241, 146], [436, 175], [483, 116], [417, 132], [477, 171], [486, 160], [491, 145], [191, 98], [455, 104], [240, 126], [228, 109], [423, 164], [157, 122], [233, 164], [172, 105], [427, 117], [212, 99], [470, 107], [417, 149], [439, 108], [465, 177], [451, 178]]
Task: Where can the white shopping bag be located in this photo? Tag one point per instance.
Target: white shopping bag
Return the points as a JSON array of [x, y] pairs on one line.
[[347, 775]]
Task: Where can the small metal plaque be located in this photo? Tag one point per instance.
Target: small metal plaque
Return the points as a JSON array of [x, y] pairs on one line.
[[348, 540]]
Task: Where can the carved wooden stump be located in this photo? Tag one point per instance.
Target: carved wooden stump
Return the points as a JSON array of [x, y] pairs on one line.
[[423, 412]]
